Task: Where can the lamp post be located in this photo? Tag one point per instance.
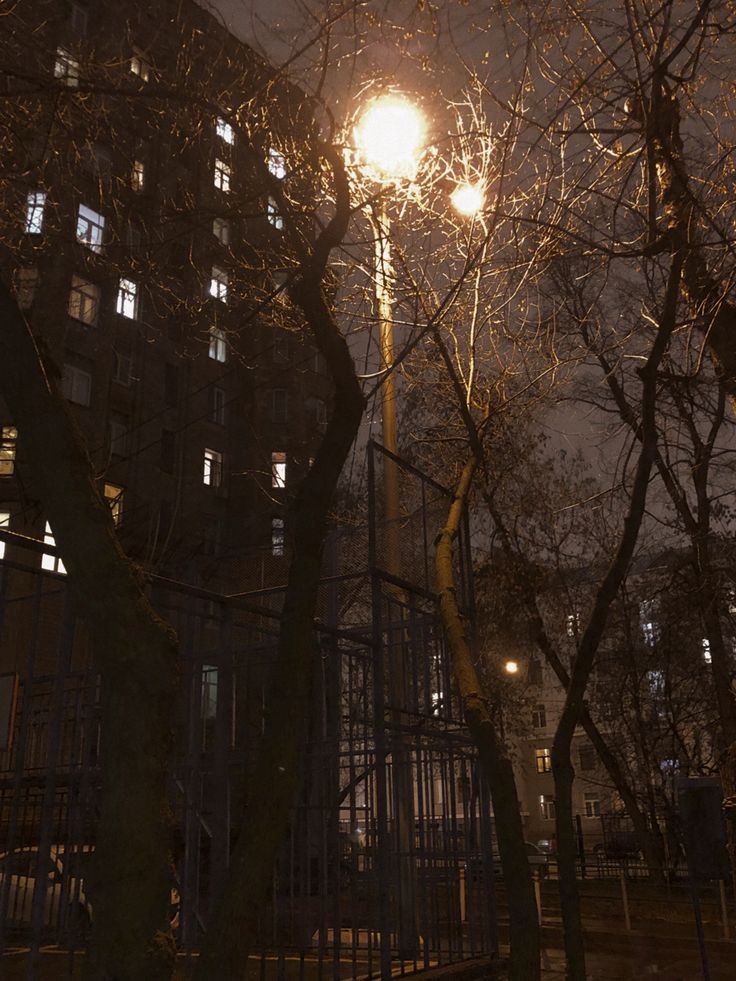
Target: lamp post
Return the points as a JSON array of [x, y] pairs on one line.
[[389, 137]]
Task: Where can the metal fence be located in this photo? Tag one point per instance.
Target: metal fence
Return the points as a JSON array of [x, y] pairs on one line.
[[373, 877]]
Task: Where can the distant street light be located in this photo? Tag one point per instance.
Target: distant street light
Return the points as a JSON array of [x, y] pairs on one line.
[[511, 667], [468, 199]]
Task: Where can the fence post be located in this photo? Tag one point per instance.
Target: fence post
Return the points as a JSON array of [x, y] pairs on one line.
[[538, 894], [581, 845], [463, 910], [724, 908], [625, 898]]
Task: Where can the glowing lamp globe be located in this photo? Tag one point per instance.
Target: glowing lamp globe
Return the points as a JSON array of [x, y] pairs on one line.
[[390, 136], [468, 199]]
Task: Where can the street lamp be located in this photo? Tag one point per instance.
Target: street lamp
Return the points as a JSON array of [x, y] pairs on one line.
[[469, 199], [389, 137]]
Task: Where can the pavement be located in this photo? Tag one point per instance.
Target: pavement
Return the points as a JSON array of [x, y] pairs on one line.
[[615, 955]]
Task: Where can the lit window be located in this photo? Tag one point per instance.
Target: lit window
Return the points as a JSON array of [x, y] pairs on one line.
[[276, 164], [278, 470], [543, 760], [114, 499], [90, 228], [212, 472], [35, 205], [217, 405], [219, 283], [139, 66], [76, 384], [222, 175], [127, 300], [8, 441], [539, 717], [84, 300], [592, 804], [138, 175], [225, 131], [655, 683], [119, 437], [707, 656], [547, 807], [648, 624], [50, 562], [277, 536], [4, 523], [26, 284], [66, 68], [218, 345], [279, 405], [573, 624], [274, 216], [123, 373], [221, 230]]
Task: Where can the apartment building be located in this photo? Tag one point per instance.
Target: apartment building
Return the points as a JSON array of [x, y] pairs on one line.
[[146, 253]]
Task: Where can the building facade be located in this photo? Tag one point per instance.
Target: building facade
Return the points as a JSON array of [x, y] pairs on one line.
[[145, 252]]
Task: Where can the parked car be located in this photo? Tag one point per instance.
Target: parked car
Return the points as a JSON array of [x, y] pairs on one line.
[[538, 861]]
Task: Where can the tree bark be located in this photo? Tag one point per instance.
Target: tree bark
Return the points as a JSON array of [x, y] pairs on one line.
[[497, 767], [136, 655], [278, 775], [562, 767]]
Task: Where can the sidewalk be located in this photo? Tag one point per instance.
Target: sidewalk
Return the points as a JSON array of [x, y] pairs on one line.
[[640, 957]]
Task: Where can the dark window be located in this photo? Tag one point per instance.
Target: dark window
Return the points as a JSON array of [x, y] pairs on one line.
[[535, 673], [587, 758], [171, 385], [168, 450]]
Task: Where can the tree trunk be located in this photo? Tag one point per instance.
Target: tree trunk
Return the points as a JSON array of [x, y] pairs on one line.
[[497, 768], [278, 775], [136, 655]]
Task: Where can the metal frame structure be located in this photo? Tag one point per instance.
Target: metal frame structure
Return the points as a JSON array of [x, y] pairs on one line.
[[388, 863]]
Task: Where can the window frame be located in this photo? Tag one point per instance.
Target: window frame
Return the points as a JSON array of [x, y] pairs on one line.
[[213, 467], [127, 298], [66, 68], [222, 176], [90, 229], [217, 345], [35, 212], [8, 450], [72, 377], [278, 469], [89, 300], [114, 501], [51, 562], [543, 759], [224, 130], [219, 284]]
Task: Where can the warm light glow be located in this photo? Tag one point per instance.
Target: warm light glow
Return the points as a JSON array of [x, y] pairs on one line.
[[389, 136], [468, 199], [511, 667]]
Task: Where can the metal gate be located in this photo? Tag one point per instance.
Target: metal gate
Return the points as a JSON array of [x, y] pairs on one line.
[[387, 865]]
